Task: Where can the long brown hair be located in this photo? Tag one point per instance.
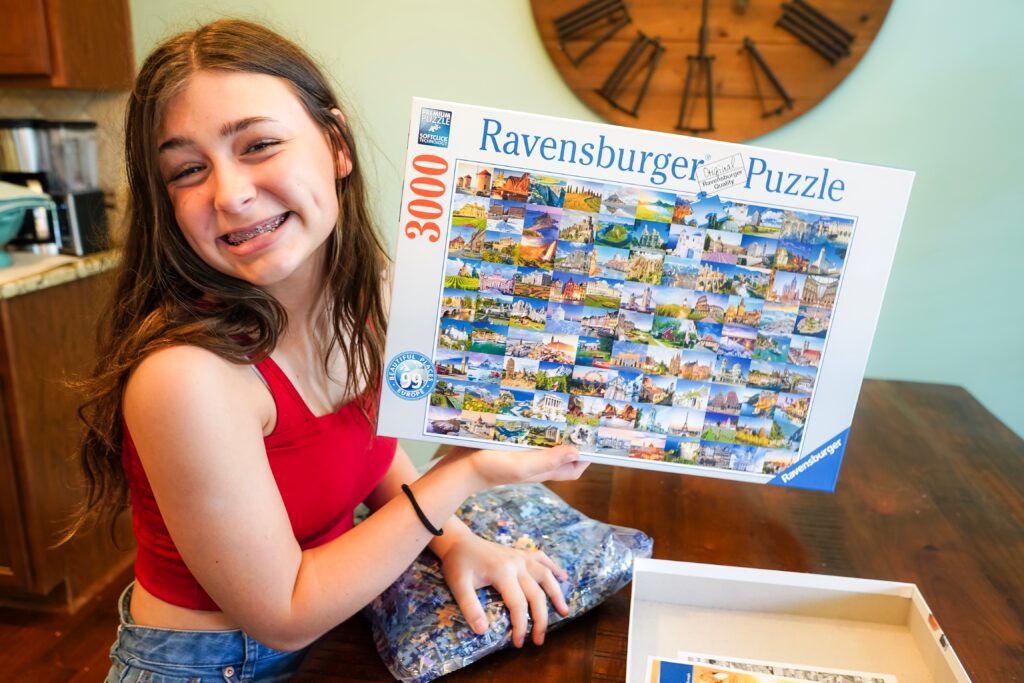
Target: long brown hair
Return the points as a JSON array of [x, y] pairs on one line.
[[166, 295]]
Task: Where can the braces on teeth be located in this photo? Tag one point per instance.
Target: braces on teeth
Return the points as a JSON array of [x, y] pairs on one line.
[[237, 238]]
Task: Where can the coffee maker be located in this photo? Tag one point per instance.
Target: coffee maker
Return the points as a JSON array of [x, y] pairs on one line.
[[58, 158]]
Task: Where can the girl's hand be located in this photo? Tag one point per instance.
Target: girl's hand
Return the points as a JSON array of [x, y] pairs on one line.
[[492, 468], [521, 577]]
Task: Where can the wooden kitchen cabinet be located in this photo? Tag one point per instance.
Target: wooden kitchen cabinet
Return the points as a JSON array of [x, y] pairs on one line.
[[46, 338], [85, 44]]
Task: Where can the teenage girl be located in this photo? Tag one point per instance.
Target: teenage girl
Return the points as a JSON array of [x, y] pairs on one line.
[[234, 400]]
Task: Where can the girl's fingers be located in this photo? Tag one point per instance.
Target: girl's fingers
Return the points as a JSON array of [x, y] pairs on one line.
[[512, 593], [560, 465], [542, 557], [542, 464], [554, 591], [538, 606], [568, 472], [467, 600], [546, 463]]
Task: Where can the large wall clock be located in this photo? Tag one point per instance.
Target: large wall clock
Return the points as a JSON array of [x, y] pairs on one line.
[[722, 69]]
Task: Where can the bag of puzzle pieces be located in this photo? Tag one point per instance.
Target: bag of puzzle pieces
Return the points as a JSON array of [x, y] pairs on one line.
[[419, 629]]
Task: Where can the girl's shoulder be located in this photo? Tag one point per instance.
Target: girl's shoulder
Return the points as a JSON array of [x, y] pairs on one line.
[[189, 383], [185, 365]]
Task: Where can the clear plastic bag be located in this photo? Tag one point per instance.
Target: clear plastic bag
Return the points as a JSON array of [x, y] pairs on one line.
[[418, 628]]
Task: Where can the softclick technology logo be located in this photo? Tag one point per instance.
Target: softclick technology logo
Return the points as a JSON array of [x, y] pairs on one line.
[[435, 126]]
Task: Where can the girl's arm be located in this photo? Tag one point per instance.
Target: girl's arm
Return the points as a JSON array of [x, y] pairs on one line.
[[196, 423], [525, 579]]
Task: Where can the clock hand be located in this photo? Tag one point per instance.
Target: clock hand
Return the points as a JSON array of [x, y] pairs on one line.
[[694, 64], [702, 35]]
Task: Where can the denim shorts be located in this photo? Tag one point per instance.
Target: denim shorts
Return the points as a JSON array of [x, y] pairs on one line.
[[143, 654]]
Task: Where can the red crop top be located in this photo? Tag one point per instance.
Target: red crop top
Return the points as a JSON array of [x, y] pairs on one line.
[[324, 467]]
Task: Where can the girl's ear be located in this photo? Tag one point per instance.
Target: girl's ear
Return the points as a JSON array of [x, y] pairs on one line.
[[344, 155]]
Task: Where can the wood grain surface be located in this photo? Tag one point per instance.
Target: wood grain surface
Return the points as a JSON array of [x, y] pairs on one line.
[[46, 339], [807, 77], [931, 493]]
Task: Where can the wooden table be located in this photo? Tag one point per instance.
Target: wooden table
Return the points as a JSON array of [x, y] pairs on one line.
[[931, 492]]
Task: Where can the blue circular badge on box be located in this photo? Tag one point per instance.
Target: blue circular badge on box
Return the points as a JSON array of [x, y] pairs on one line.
[[411, 375]]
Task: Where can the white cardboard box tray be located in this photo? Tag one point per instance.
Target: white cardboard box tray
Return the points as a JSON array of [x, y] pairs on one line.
[[809, 619]]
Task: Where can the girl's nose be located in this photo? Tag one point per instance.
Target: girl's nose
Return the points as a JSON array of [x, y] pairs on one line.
[[233, 189]]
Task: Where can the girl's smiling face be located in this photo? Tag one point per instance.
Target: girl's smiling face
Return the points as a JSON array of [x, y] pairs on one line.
[[250, 175]]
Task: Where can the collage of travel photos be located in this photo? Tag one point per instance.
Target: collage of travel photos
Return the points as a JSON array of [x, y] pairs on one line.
[[630, 321]]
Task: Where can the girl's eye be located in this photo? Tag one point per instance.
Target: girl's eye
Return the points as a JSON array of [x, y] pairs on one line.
[[184, 173], [261, 145]]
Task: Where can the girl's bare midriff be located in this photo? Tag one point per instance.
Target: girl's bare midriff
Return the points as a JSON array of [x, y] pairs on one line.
[[149, 610]]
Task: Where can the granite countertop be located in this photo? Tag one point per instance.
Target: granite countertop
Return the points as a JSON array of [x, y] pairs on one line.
[[32, 272]]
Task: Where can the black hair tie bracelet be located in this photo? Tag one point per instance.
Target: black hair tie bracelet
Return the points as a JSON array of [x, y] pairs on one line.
[[419, 513]]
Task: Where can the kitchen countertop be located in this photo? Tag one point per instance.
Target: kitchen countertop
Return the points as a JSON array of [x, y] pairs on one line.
[[32, 272]]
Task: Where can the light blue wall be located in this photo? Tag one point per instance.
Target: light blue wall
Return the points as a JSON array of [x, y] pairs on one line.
[[941, 92]]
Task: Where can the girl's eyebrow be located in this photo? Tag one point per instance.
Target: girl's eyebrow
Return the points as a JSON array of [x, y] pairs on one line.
[[228, 129]]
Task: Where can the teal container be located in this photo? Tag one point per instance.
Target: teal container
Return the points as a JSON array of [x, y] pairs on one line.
[[15, 201]]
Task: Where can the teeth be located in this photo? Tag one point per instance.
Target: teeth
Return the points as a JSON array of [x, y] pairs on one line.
[[241, 236]]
